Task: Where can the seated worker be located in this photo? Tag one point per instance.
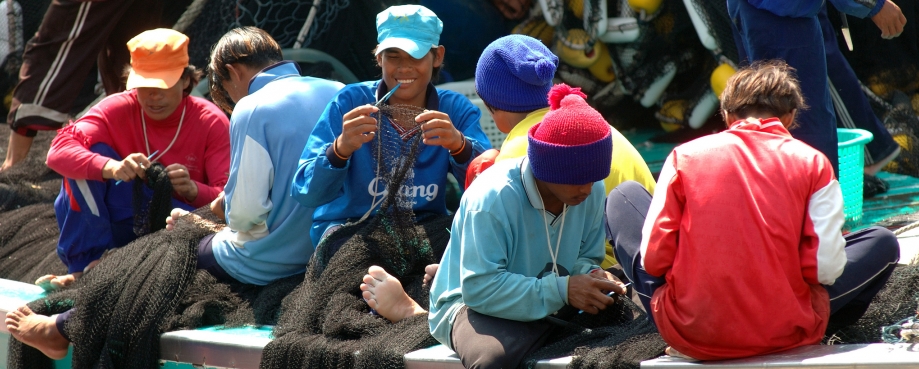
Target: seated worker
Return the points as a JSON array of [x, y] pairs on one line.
[[513, 76], [748, 221], [275, 110], [527, 241], [154, 121], [338, 170], [263, 239]]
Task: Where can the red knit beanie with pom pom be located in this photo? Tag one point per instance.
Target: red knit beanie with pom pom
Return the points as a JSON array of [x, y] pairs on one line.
[[573, 144]]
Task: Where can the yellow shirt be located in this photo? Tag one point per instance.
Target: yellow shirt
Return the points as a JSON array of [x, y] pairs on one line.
[[627, 163]]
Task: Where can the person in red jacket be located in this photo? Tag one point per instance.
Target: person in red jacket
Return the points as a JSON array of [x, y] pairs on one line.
[[740, 251], [116, 141]]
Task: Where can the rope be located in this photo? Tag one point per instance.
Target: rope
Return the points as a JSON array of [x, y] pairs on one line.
[[188, 17], [906, 228]]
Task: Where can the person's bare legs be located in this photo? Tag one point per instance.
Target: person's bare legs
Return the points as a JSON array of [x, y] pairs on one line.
[[53, 282], [384, 293], [873, 169], [38, 331], [17, 150]]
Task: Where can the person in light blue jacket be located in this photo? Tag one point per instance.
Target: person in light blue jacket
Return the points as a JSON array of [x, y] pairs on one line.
[[275, 111], [527, 240], [789, 30], [338, 173]]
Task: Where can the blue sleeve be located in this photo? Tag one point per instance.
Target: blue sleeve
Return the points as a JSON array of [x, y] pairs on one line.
[[317, 181], [487, 286], [859, 8], [466, 117]]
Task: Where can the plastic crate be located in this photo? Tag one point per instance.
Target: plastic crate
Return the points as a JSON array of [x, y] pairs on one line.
[[495, 136], [851, 170], [466, 88]]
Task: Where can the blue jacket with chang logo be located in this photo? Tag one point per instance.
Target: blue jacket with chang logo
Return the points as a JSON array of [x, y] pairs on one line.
[[340, 194]]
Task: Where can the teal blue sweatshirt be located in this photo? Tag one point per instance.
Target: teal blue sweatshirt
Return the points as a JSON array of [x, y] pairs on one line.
[[498, 261]]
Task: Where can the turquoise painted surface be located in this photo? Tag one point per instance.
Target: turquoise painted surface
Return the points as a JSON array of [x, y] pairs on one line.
[[19, 293], [249, 332]]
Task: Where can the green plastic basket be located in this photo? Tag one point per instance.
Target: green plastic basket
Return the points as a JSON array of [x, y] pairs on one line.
[[851, 169]]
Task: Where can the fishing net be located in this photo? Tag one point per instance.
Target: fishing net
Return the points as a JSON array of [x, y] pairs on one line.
[[716, 18], [325, 322], [898, 300], [900, 119], [620, 336], [28, 238], [344, 29]]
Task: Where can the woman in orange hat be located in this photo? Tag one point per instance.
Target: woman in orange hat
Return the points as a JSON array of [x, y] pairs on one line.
[[155, 121]]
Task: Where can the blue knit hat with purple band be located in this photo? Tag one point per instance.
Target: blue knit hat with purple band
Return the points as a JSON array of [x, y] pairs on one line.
[[573, 144], [515, 73]]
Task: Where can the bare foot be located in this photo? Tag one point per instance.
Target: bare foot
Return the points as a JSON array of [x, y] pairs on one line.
[[384, 294], [673, 352], [53, 282], [429, 272], [178, 213], [38, 331]]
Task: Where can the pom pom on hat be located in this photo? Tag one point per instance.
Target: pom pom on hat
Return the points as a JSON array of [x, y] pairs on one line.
[[557, 93], [514, 73], [573, 144]]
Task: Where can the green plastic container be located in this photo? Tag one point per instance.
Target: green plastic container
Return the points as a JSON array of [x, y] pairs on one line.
[[851, 169]]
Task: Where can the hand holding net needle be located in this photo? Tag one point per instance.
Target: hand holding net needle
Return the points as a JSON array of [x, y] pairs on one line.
[[152, 160]]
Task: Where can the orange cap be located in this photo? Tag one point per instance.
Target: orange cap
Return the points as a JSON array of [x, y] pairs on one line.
[[158, 58]]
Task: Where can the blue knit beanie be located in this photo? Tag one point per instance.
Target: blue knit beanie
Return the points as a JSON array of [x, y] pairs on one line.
[[515, 74]]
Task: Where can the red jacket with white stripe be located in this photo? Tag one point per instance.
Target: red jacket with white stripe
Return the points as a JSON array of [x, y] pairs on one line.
[[745, 227]]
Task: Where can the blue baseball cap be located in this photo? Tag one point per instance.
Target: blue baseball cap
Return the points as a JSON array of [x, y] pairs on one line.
[[411, 28]]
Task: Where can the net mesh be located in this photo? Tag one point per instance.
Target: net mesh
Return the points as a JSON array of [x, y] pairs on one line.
[[620, 336], [343, 28]]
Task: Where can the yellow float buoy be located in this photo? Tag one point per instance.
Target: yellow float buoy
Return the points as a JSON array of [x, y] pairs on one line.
[[673, 112], [649, 6], [603, 68], [536, 28], [719, 78], [574, 57]]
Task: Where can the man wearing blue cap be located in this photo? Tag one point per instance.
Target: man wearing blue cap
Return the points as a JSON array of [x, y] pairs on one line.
[[338, 172]]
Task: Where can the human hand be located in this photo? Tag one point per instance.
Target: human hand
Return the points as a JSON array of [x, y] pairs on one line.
[[890, 20], [133, 166], [588, 292], [357, 128], [438, 130], [217, 206], [181, 181]]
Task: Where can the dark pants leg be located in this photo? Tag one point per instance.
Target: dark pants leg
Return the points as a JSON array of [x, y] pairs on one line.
[[57, 60], [208, 262], [762, 35], [626, 208], [853, 100], [482, 341], [95, 216], [872, 255]]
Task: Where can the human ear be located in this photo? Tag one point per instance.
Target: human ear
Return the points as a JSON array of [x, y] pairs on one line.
[[439, 55]]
